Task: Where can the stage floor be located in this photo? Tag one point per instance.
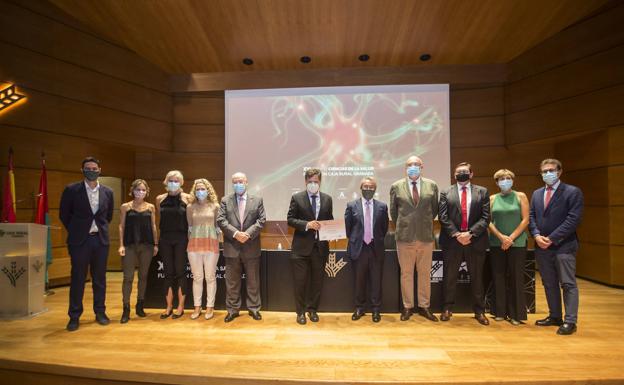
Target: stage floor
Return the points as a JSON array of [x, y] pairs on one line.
[[335, 350]]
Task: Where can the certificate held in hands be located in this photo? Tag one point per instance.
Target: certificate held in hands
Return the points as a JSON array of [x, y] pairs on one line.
[[332, 230]]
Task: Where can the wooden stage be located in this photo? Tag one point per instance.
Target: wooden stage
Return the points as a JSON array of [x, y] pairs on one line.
[[276, 350]]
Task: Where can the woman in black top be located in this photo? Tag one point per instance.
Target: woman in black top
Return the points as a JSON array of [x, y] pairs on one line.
[[174, 240], [137, 233]]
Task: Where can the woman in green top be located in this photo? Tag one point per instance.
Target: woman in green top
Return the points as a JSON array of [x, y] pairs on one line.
[[508, 245]]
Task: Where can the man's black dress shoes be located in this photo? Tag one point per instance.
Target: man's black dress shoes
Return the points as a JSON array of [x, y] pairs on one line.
[[73, 324], [566, 329], [549, 321], [102, 319]]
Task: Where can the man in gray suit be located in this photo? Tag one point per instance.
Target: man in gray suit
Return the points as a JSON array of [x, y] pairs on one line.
[[413, 206], [241, 218]]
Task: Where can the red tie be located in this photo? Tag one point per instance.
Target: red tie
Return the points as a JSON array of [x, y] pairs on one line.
[[415, 193], [549, 192], [464, 209]]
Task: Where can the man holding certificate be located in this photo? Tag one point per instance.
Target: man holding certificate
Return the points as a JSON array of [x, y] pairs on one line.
[[366, 224], [309, 253]]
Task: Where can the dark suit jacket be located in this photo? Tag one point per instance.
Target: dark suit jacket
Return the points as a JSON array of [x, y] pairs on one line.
[[229, 223], [478, 217], [76, 215], [354, 224], [560, 219], [299, 214]]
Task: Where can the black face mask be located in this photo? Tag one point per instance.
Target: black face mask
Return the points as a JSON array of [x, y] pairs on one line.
[[462, 177], [368, 194], [91, 175]]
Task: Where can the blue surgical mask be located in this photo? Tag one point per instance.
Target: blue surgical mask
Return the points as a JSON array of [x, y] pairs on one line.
[[413, 171], [201, 194], [312, 187], [550, 178], [173, 186], [505, 185], [239, 188]]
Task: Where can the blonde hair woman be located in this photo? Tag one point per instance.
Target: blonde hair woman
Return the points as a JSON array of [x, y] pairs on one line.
[[139, 240], [173, 240], [508, 243], [203, 246]]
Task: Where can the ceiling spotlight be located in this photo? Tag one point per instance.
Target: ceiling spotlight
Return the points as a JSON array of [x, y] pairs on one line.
[[247, 61], [363, 57], [305, 59], [425, 57]]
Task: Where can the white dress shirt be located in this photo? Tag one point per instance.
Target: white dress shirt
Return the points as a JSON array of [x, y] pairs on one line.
[[94, 202], [411, 186]]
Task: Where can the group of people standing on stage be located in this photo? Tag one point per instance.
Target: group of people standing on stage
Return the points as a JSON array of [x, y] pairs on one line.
[[472, 221]]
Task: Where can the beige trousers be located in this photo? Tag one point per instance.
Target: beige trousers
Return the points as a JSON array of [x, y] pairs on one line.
[[415, 254]]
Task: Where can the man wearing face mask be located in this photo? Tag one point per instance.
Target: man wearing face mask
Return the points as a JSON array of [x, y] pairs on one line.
[[366, 223], [465, 217], [556, 211], [241, 218], [85, 210], [309, 254], [413, 206]]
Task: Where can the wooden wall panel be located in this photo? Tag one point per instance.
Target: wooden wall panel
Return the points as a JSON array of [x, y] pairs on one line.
[[477, 132], [478, 102], [591, 73], [199, 138], [46, 31], [198, 110], [86, 96], [584, 113], [599, 33], [49, 113]]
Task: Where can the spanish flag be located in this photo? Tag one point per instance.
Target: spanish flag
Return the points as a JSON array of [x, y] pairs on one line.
[[43, 214], [8, 200]]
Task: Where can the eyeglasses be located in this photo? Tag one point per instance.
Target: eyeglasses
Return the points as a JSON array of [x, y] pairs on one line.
[[546, 171]]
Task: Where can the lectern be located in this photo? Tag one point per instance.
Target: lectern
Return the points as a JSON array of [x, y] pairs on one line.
[[22, 269]]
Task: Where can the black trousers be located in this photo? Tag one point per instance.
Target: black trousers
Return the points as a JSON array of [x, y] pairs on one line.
[[475, 259], [172, 249], [308, 271], [508, 277], [368, 270], [92, 255]]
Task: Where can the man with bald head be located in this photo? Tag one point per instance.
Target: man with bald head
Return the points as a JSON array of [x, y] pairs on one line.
[[413, 206], [241, 218]]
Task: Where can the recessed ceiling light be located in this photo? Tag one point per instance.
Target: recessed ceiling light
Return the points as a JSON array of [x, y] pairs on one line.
[[305, 59], [425, 57], [247, 61], [363, 57]]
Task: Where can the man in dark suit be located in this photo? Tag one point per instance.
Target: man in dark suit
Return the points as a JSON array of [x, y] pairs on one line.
[[366, 223], [241, 218], [86, 209], [464, 216], [309, 254], [555, 213]]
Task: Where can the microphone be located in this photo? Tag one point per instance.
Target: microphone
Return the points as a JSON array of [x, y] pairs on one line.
[[284, 235]]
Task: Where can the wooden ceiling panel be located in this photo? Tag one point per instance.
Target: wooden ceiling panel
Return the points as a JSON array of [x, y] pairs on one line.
[[193, 36]]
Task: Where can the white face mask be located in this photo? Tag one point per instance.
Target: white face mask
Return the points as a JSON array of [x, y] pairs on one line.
[[173, 186], [139, 194], [312, 187]]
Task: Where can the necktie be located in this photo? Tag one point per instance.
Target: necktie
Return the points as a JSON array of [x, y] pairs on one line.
[[368, 231], [415, 195], [241, 210], [549, 192], [314, 205], [464, 209]]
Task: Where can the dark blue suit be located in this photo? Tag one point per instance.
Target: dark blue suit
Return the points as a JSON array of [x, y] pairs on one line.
[[368, 259], [86, 250], [557, 264]]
